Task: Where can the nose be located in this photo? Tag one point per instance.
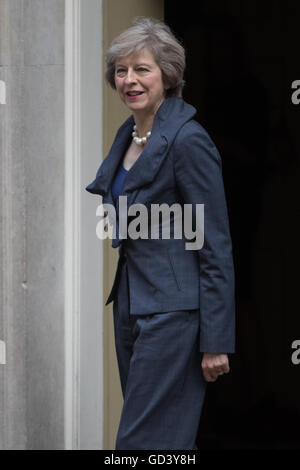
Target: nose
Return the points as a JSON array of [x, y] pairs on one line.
[[130, 77]]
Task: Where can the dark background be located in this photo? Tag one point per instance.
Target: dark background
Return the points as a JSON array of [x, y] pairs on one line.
[[242, 57]]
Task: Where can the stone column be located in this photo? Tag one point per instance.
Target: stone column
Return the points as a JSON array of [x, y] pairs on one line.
[[32, 224]]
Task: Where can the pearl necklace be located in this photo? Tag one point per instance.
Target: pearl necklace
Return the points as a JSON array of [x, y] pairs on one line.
[[140, 140]]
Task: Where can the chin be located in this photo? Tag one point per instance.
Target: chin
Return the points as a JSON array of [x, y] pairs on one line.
[[136, 106]]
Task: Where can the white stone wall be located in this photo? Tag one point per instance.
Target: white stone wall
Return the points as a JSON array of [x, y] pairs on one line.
[[32, 224]]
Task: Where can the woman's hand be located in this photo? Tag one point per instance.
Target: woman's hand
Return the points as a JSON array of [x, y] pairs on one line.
[[214, 365]]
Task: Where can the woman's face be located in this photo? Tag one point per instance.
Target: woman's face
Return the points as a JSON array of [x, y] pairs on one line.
[[138, 72]]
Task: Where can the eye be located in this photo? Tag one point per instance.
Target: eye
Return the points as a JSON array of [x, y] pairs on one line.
[[143, 69], [119, 71]]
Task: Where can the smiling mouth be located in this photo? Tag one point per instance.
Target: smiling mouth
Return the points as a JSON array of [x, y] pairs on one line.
[[134, 93]]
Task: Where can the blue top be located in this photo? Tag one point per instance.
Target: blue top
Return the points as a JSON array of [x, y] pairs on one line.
[[118, 182]]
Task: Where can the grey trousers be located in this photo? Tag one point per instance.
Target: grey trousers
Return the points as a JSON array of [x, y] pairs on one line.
[[161, 376]]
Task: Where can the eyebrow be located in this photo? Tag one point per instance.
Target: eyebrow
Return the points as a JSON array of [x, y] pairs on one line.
[[118, 64]]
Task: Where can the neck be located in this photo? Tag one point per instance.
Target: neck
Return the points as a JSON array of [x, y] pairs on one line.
[[143, 124], [144, 121]]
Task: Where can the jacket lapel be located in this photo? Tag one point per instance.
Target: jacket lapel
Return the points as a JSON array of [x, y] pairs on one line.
[[170, 116], [105, 174], [143, 171], [146, 167]]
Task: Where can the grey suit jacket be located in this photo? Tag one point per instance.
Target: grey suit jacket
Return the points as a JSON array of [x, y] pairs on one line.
[[180, 164]]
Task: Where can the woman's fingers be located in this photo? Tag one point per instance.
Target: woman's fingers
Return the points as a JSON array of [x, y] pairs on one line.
[[209, 377], [214, 365]]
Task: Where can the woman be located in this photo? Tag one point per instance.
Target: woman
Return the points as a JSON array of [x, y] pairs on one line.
[[174, 310]]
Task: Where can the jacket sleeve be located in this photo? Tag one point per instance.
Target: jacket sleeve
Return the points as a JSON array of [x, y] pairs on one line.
[[198, 173]]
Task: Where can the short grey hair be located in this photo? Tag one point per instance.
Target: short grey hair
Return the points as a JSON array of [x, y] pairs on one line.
[[157, 37]]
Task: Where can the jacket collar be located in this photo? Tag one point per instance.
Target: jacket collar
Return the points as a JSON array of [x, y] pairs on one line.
[[172, 114]]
